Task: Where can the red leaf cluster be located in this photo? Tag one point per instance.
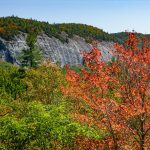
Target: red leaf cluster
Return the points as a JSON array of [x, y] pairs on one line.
[[115, 96]]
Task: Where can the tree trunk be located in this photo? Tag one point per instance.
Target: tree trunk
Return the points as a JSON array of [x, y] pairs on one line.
[[142, 137]]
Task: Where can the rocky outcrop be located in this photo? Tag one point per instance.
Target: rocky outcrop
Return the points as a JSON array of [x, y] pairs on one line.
[[53, 49]]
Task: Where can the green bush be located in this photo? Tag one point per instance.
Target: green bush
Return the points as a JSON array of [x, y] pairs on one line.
[[41, 126]]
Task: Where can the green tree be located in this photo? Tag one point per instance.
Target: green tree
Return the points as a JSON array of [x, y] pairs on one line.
[[32, 56], [11, 80]]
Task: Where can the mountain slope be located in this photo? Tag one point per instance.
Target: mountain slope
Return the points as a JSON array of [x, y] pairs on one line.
[[60, 43], [121, 37], [53, 49], [10, 26]]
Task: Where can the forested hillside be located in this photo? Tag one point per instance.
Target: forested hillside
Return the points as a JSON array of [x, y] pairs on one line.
[[10, 26], [96, 105], [121, 37]]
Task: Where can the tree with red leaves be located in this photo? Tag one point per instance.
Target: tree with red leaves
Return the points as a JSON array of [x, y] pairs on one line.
[[133, 63], [115, 96]]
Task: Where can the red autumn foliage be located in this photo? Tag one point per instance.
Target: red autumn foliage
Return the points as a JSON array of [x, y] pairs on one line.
[[115, 97], [91, 144]]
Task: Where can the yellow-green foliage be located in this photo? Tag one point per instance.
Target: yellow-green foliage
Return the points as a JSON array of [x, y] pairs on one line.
[[11, 81], [33, 113], [44, 83]]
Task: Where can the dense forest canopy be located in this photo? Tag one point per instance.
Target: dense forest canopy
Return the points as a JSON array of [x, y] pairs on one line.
[[10, 26], [121, 37]]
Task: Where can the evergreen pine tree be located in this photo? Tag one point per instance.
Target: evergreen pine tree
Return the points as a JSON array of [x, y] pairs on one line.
[[32, 56]]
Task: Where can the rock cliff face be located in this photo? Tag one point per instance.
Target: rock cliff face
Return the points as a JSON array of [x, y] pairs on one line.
[[53, 49]]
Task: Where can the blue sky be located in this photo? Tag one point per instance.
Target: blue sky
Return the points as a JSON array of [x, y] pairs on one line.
[[109, 15]]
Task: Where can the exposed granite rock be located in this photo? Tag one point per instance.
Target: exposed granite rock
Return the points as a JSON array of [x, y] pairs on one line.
[[53, 49], [10, 50], [106, 48]]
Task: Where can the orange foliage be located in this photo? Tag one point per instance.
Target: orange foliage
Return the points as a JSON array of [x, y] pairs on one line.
[[127, 118], [91, 144], [2, 30]]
